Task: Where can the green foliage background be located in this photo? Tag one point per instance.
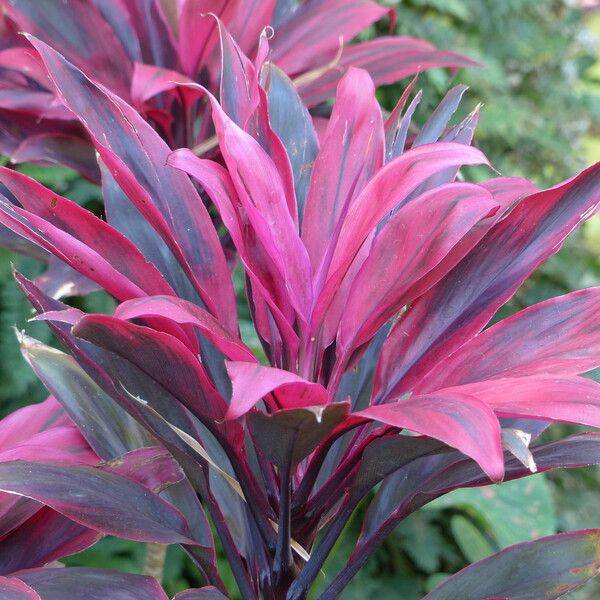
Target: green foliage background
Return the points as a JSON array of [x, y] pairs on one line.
[[540, 90]]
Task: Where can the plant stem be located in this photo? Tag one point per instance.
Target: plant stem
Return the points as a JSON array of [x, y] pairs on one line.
[[299, 588], [283, 562], [154, 561]]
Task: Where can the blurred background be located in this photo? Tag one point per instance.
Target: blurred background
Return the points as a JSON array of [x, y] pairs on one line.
[[540, 91]]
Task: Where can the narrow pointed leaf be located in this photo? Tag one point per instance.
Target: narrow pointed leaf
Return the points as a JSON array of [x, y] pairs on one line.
[[263, 271], [79, 32], [104, 501], [92, 246], [387, 59], [292, 123], [186, 313], [551, 567], [460, 420], [351, 153], [558, 336], [436, 124], [555, 398], [317, 26]]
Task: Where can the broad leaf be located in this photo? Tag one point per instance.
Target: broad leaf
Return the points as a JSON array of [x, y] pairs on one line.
[[252, 382], [290, 435]]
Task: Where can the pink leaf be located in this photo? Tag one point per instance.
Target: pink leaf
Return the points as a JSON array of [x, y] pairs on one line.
[[560, 336], [184, 312], [399, 266], [351, 154], [456, 418], [252, 382], [460, 305]]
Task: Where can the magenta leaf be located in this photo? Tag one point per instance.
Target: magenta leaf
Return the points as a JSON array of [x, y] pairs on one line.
[[266, 281], [387, 59], [460, 420], [15, 589], [388, 190], [400, 264], [149, 81], [555, 398], [351, 154], [44, 537], [80, 33], [183, 312], [136, 156], [123, 215], [59, 149], [252, 382], [557, 336], [79, 583], [317, 26], [84, 241], [550, 567], [456, 309], [262, 194], [205, 593]]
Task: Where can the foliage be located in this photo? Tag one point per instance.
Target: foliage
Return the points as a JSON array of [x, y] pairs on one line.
[[370, 273], [147, 51], [537, 84]]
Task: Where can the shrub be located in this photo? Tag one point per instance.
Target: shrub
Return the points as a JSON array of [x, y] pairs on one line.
[[139, 49], [370, 274]]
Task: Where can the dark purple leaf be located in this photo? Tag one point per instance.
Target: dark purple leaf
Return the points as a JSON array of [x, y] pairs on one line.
[[551, 567], [79, 583], [106, 502]]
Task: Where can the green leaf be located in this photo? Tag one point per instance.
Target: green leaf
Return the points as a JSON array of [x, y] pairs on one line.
[[515, 511], [472, 542]]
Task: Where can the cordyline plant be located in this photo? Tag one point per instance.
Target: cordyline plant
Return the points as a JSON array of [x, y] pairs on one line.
[[371, 273], [142, 49]]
